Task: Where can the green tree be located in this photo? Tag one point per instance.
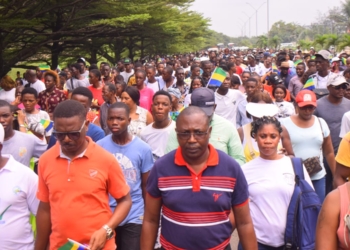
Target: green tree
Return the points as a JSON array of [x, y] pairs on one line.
[[274, 42], [262, 41], [344, 41], [321, 40], [305, 44], [332, 40]]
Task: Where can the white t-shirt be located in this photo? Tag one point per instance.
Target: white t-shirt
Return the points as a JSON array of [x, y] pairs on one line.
[[8, 96], [345, 124], [18, 185], [270, 185], [257, 69], [155, 86], [226, 105], [285, 109], [126, 75], [38, 86], [157, 139], [307, 142]]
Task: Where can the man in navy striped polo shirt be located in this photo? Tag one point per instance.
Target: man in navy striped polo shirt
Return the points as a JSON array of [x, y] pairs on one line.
[[196, 186]]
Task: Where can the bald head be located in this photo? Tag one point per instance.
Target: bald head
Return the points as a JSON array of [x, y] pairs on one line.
[[192, 112]]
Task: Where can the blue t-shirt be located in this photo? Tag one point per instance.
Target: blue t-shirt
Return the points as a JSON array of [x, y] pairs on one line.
[[94, 132], [135, 159]]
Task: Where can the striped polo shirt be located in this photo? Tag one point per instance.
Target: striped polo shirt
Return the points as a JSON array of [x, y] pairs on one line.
[[196, 206]]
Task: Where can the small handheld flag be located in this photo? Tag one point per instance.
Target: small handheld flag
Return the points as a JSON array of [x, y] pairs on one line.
[[343, 59], [73, 245], [217, 77], [310, 85], [44, 67], [274, 68], [47, 124]]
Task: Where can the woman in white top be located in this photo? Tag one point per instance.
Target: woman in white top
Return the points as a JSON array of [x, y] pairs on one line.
[[311, 137], [285, 109], [270, 179], [260, 105], [197, 82], [140, 117]]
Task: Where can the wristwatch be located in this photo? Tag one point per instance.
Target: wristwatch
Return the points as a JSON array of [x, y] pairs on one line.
[[109, 232]]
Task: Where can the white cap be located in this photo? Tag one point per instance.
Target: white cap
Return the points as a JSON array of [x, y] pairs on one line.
[[336, 80], [335, 59], [2, 134], [259, 110]]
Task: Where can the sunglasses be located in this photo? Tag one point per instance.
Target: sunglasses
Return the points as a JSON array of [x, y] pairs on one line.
[[342, 86], [74, 135]]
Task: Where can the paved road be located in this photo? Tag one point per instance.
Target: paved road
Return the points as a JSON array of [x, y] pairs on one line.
[[234, 240]]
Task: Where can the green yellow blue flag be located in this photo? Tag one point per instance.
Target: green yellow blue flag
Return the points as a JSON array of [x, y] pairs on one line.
[[218, 77], [310, 85], [73, 245], [343, 59], [274, 68], [47, 124]]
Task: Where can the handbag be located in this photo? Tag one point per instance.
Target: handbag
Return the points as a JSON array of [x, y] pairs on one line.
[[320, 93], [313, 164]]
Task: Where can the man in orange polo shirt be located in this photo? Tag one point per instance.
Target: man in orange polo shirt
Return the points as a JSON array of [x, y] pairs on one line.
[[75, 177]]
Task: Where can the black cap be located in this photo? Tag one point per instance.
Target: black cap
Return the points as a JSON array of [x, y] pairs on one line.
[[275, 79]]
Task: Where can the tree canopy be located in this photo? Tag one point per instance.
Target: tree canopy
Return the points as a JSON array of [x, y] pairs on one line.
[[53, 31]]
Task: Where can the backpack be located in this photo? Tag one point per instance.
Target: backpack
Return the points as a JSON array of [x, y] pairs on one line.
[[302, 214]]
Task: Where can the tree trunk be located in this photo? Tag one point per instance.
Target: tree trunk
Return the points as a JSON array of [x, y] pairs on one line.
[[55, 52]]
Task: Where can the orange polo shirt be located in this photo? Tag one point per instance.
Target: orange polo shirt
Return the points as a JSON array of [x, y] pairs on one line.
[[77, 191]]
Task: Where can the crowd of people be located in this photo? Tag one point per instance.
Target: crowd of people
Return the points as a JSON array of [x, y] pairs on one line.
[[149, 154]]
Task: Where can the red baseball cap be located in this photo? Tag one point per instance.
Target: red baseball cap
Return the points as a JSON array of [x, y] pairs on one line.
[[306, 97]]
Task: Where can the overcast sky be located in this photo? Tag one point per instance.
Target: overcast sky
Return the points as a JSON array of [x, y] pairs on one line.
[[227, 16]]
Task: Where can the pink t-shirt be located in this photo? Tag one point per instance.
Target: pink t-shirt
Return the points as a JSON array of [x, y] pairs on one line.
[[146, 95]]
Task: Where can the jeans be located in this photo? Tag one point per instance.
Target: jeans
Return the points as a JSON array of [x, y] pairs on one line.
[[128, 237], [262, 247], [329, 176], [320, 188]]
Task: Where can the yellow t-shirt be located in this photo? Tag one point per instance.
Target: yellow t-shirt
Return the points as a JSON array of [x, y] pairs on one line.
[[343, 155]]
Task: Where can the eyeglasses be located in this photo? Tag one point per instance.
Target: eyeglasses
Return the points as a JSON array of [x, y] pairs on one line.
[[74, 135], [342, 86], [309, 107], [197, 135]]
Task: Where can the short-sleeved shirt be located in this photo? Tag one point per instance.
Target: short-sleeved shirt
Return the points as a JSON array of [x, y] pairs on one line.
[[48, 101], [77, 191], [18, 185], [97, 94], [196, 206], [157, 138], [307, 142], [295, 85], [146, 95], [37, 85], [227, 105], [345, 125], [333, 115], [74, 83], [271, 185], [34, 122], [23, 147], [343, 155], [135, 159], [224, 136]]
